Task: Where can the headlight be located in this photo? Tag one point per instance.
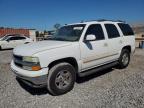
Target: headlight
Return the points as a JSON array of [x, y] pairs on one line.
[[30, 59], [32, 63]]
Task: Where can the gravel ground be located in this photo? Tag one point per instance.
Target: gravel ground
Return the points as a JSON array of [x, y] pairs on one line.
[[112, 88]]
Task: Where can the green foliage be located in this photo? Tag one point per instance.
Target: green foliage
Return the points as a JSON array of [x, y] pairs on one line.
[[37, 34], [57, 26]]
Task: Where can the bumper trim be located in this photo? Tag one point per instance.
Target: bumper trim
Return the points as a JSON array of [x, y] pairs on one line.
[[36, 82]]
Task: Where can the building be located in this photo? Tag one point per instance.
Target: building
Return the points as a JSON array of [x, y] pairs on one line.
[[27, 32], [139, 32]]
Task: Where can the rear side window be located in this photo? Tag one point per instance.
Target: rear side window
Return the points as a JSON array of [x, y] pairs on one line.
[[21, 38], [126, 29], [96, 30], [112, 31]]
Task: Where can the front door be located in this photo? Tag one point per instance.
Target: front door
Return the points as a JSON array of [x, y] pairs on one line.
[[94, 53], [11, 42]]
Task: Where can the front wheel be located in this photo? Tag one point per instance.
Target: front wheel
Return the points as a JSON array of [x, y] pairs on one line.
[[61, 78], [124, 58]]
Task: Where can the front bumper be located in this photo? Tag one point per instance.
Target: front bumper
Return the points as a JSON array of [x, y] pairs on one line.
[[32, 78]]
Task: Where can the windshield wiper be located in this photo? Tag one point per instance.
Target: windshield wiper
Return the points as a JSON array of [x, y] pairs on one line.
[[58, 39]]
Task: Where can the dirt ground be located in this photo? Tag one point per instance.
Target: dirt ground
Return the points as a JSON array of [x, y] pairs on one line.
[[111, 88]]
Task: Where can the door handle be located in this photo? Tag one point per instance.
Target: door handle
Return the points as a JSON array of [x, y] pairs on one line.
[[105, 44]]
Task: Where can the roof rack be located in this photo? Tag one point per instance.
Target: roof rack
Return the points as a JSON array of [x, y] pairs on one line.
[[102, 20], [121, 21]]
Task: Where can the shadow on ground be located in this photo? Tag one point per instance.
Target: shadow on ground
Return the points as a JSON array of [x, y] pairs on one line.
[[6, 49], [43, 91], [92, 76], [31, 90]]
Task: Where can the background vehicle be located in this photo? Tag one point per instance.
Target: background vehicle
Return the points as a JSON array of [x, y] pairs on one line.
[[76, 49], [11, 41], [5, 36]]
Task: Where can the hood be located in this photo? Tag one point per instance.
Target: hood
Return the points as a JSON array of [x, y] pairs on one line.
[[35, 47], [2, 41]]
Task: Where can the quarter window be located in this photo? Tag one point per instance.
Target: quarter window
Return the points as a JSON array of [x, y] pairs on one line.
[[126, 29], [96, 30], [112, 31]]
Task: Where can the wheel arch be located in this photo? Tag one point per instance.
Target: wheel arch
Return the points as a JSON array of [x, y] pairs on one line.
[[69, 60], [128, 47]]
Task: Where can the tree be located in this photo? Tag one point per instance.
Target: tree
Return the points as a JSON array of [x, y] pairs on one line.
[[45, 32], [1, 27], [57, 26], [37, 33]]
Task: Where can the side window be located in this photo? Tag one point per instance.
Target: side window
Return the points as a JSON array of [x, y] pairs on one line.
[[96, 30], [112, 31], [13, 38], [126, 29], [21, 38]]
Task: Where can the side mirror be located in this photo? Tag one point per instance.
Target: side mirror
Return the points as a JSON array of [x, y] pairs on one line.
[[90, 37]]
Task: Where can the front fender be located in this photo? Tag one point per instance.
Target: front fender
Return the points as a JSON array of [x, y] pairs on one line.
[[48, 56]]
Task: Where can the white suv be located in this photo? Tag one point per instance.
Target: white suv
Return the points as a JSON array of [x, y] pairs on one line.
[[76, 49], [11, 41]]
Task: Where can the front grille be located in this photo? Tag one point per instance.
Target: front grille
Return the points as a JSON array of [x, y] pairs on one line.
[[19, 65], [17, 57], [18, 60]]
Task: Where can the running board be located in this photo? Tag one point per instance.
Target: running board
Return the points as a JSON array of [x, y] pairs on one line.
[[94, 70]]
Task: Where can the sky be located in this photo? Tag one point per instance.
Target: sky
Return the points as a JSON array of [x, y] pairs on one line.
[[43, 14]]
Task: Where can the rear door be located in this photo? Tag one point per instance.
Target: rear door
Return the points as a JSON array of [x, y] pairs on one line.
[[115, 41], [21, 40]]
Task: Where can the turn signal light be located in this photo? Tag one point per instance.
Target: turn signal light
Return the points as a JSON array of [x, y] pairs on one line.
[[36, 68]]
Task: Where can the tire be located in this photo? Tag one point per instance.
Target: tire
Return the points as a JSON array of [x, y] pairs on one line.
[[0, 48], [61, 79], [124, 59]]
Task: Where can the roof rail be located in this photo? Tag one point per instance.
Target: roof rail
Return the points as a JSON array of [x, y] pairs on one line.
[[102, 20], [121, 21]]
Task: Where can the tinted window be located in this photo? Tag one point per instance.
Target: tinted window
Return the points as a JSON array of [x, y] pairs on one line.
[[112, 31], [126, 29], [96, 30], [21, 38], [13, 38]]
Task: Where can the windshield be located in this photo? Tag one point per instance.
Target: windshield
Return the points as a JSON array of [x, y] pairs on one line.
[[68, 33], [5, 38]]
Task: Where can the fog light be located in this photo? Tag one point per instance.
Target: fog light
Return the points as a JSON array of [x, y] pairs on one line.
[[27, 67]]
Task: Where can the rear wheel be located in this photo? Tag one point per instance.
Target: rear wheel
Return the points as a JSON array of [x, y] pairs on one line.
[[61, 78], [124, 58]]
